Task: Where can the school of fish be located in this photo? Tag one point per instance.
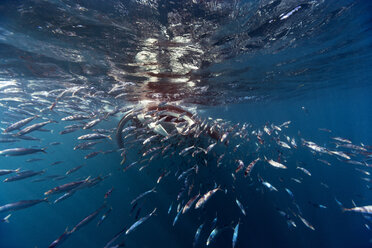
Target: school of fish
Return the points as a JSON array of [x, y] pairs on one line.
[[188, 156]]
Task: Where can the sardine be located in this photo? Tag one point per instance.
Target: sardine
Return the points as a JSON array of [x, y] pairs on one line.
[[201, 202], [143, 195], [86, 220], [20, 124], [276, 164], [269, 186], [197, 235], [190, 203], [240, 206], [20, 205], [108, 245], [23, 175], [306, 222], [6, 172], [304, 170], [139, 222], [363, 210], [21, 151], [249, 168], [212, 236], [235, 235], [33, 127], [94, 136]]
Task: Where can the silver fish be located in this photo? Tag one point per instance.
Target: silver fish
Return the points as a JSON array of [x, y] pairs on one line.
[[142, 195], [60, 239], [6, 172], [269, 186], [197, 234], [23, 174], [364, 209], [276, 164], [283, 144], [190, 203], [240, 206], [235, 235], [87, 219], [20, 205], [21, 151], [92, 123], [304, 170], [64, 196], [201, 202], [212, 236], [94, 136], [139, 222], [342, 140], [66, 187], [75, 118], [19, 124], [32, 128], [115, 238], [177, 216], [306, 223]]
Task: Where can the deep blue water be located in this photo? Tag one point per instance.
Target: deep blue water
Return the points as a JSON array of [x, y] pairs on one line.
[[239, 61]]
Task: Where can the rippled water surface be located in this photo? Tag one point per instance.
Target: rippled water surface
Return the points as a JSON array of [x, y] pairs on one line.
[[259, 79]]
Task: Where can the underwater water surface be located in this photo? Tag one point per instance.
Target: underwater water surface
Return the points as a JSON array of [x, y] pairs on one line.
[[205, 123]]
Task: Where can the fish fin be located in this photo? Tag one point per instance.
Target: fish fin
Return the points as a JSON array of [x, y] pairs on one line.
[[109, 137], [17, 170], [6, 219], [153, 212], [87, 179]]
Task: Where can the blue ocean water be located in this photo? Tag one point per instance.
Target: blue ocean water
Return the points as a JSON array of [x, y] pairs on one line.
[[230, 63]]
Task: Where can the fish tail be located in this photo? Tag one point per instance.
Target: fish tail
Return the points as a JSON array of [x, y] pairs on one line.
[[17, 170], [43, 150], [109, 137], [6, 219]]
